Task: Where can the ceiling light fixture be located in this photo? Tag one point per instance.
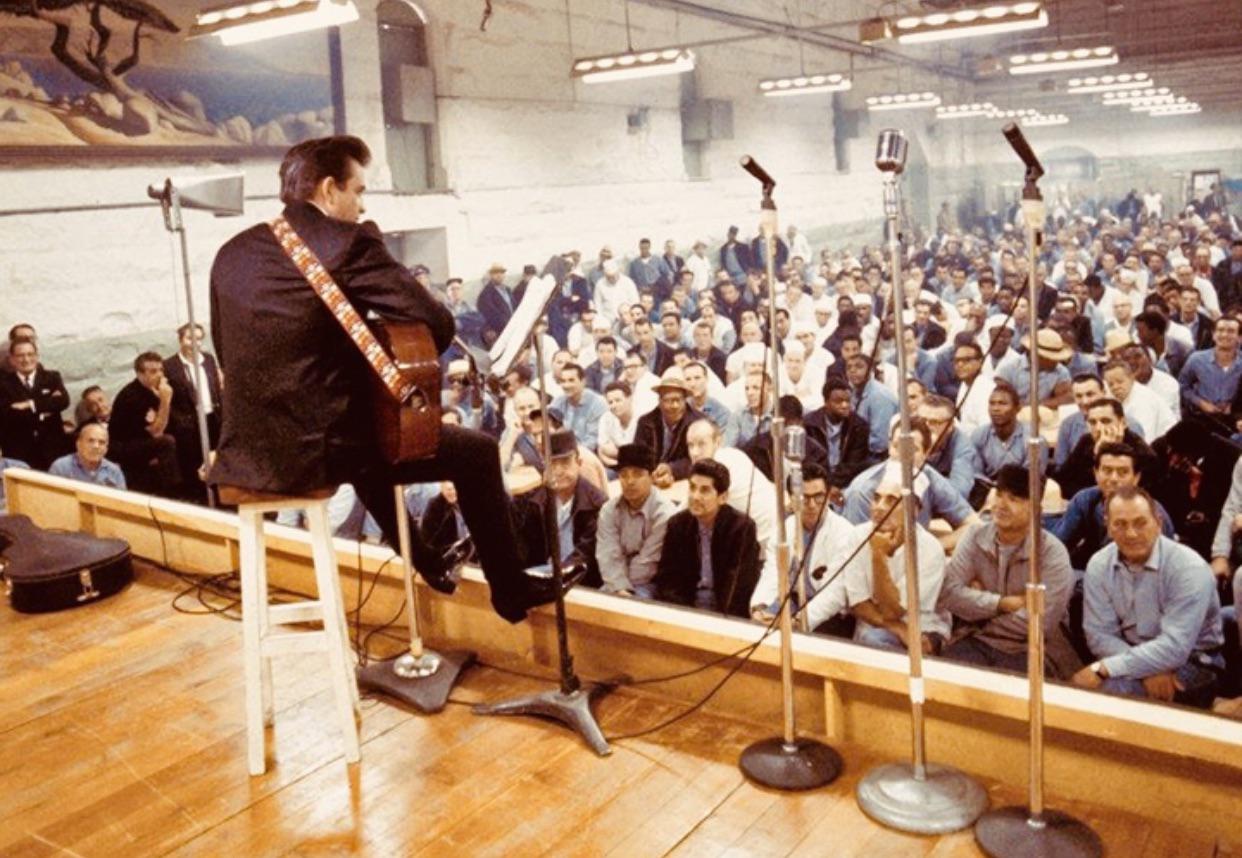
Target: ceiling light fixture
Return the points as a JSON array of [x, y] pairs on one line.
[[1175, 109], [1153, 103], [965, 23], [1013, 114], [1136, 95], [1045, 119], [805, 84], [1108, 83], [903, 101], [965, 111], [1062, 60], [632, 65], [239, 23]]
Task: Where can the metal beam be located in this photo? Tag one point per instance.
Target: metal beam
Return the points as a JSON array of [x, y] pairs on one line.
[[810, 35]]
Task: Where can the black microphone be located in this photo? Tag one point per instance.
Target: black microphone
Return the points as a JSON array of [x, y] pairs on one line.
[[890, 151], [158, 192], [1016, 139], [751, 166]]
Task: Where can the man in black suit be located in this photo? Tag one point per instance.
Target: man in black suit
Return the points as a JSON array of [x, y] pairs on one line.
[[663, 429], [496, 304], [296, 415], [1188, 314], [711, 556], [31, 400], [705, 352], [658, 356], [141, 442], [843, 434], [183, 415]]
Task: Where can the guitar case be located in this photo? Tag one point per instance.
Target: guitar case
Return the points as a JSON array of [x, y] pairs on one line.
[[47, 570]]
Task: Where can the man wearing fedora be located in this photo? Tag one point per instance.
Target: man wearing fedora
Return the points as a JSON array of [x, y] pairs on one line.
[[1054, 378], [663, 429], [575, 506], [495, 303], [629, 538]]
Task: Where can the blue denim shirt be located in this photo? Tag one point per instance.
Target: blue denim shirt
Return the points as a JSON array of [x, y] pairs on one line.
[[107, 474], [1203, 378]]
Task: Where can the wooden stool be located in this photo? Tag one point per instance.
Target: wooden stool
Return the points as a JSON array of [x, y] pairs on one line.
[[261, 623]]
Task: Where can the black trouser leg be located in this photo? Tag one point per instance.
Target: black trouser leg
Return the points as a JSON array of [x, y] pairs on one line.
[[469, 460]]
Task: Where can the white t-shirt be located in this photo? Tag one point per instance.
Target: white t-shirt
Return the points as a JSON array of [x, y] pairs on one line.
[[931, 564]]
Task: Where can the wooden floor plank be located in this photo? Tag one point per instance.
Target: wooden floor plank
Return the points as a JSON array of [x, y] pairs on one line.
[[122, 734]]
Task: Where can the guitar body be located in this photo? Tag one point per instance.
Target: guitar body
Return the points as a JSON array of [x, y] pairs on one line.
[[407, 431]]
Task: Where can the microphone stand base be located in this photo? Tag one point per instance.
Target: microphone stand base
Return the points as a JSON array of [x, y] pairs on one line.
[[428, 692], [1012, 833], [573, 709], [944, 800], [798, 765]]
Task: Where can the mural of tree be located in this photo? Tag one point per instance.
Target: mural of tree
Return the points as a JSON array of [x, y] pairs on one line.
[[84, 48]]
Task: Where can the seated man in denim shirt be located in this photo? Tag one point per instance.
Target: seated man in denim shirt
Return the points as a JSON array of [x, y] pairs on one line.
[[1151, 612], [87, 463], [629, 537]]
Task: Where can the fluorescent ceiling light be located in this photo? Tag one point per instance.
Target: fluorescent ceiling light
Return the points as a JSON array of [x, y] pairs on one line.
[[1154, 103], [1109, 83], [633, 65], [240, 23], [1136, 95], [1013, 114], [1046, 119], [965, 111], [903, 101], [1062, 60], [1175, 109], [965, 23], [805, 84]]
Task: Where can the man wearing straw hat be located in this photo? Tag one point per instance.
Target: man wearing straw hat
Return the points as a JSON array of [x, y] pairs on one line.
[[663, 429], [1054, 378]]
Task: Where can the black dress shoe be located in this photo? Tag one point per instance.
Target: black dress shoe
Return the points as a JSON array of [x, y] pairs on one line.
[[442, 580], [541, 590]]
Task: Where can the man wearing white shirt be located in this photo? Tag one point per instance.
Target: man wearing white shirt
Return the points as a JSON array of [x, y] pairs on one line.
[[642, 384], [975, 388], [1163, 385], [617, 426], [615, 293], [798, 380], [1186, 276], [700, 266], [1140, 404], [798, 245]]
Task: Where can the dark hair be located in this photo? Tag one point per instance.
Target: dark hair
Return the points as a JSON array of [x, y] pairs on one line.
[[91, 390], [523, 372], [972, 346], [790, 407], [813, 471], [1003, 386], [1151, 319], [1107, 402], [185, 329], [1086, 376], [714, 471], [1117, 363], [851, 335], [672, 313], [642, 322], [935, 400], [146, 358], [13, 330], [834, 382], [574, 368], [311, 161], [1116, 448], [1233, 319], [608, 340], [1130, 493], [618, 385]]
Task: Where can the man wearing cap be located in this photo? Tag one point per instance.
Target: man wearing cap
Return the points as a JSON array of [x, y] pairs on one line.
[[576, 505], [1054, 378], [711, 556], [630, 536], [1151, 613], [580, 408], [495, 303], [615, 293], [663, 429], [985, 582], [477, 407]]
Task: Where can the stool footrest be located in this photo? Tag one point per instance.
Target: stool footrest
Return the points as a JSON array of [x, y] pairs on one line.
[[283, 642], [297, 612]]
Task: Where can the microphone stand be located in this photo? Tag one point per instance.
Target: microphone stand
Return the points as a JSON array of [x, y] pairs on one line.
[[783, 762], [915, 797], [795, 452], [1018, 832], [569, 704], [170, 204], [420, 677]]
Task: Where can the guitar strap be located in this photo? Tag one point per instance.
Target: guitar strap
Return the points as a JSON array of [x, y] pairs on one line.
[[340, 308]]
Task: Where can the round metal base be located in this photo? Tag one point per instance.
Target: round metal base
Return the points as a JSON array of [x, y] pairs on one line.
[[943, 801], [416, 667], [1010, 832], [802, 764]]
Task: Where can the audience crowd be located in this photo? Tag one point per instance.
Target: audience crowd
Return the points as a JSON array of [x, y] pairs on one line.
[[657, 402]]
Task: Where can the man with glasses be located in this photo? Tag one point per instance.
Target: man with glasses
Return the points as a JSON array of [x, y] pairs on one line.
[[974, 388], [642, 383], [477, 407]]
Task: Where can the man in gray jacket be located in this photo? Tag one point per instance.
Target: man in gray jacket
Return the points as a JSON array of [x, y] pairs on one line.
[[630, 534]]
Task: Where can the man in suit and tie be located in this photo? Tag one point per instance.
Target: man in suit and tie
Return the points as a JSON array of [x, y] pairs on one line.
[[183, 415], [31, 400]]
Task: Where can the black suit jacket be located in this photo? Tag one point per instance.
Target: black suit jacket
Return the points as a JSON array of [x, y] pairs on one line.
[[594, 375], [715, 360], [855, 445], [931, 336], [584, 513], [1228, 285], [664, 357], [650, 431], [1203, 334], [492, 307], [295, 409], [742, 249], [759, 449], [735, 561], [1078, 472], [36, 437], [183, 415]]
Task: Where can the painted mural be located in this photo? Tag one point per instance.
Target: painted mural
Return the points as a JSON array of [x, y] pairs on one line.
[[120, 74]]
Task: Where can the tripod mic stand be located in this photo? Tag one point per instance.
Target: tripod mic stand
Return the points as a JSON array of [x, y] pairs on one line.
[[1018, 832], [570, 703], [783, 762], [916, 797]]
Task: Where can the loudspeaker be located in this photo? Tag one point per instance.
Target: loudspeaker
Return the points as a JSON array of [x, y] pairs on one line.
[[222, 195]]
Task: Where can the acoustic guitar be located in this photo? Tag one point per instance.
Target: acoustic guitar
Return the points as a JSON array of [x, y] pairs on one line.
[[407, 431]]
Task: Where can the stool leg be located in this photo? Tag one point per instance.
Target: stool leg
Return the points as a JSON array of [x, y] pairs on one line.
[[344, 685], [348, 652], [251, 550], [265, 624]]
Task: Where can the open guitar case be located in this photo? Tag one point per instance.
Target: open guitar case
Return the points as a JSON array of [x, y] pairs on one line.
[[49, 570]]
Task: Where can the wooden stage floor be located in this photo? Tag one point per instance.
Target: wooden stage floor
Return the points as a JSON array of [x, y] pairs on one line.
[[123, 735]]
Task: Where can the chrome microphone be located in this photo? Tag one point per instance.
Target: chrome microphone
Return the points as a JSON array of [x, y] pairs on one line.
[[890, 151], [795, 443]]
